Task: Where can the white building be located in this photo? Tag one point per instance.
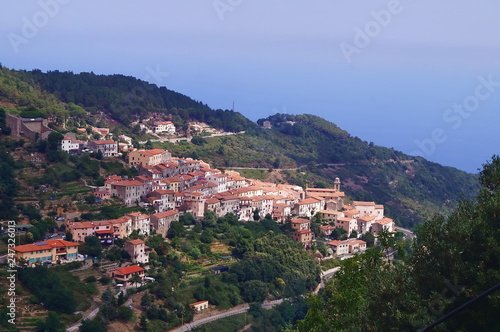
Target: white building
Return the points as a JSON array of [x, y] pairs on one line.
[[67, 144], [160, 127]]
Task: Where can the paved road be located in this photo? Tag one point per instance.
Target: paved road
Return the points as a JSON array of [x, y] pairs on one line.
[[408, 234], [91, 315], [193, 324], [325, 276], [266, 304], [178, 139]]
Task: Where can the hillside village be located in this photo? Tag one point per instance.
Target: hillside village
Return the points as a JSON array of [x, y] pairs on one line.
[[174, 186], [171, 187], [130, 228]]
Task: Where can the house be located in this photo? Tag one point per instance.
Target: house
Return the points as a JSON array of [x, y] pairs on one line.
[[162, 200], [220, 180], [138, 251], [130, 191], [356, 246], [304, 236], [326, 230], [160, 127], [68, 144], [281, 211], [308, 207], [199, 306], [339, 247], [102, 195], [149, 157], [140, 222], [101, 131], [106, 237], [349, 224], [160, 222], [219, 269], [228, 204], [365, 223], [108, 148], [330, 216], [384, 223], [46, 251], [125, 139], [125, 274], [80, 230], [369, 209], [300, 224]]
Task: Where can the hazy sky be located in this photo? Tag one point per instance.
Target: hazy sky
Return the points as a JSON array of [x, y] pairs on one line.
[[421, 76]]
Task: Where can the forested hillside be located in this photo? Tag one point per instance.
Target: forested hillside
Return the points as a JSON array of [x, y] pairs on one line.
[[452, 261], [310, 151]]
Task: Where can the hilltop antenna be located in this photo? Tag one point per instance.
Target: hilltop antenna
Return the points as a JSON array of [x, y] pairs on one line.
[[233, 105]]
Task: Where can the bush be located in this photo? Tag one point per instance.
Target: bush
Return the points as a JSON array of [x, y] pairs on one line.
[[91, 279], [105, 280]]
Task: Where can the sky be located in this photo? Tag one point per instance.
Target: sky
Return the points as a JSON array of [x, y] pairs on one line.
[[420, 76]]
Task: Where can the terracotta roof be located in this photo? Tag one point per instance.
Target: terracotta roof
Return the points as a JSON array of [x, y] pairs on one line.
[[196, 303], [212, 201], [104, 142], [300, 221], [303, 231], [363, 203], [137, 241], [329, 212], [334, 243], [327, 227], [384, 221], [166, 214], [308, 201], [367, 218], [45, 245], [129, 269], [127, 183], [107, 231], [351, 212], [83, 224]]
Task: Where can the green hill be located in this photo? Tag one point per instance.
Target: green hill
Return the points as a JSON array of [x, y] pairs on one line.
[[310, 150]]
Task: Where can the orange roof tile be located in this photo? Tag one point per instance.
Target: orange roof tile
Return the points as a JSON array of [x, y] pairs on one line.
[[137, 241], [166, 214], [359, 203], [129, 269], [45, 245]]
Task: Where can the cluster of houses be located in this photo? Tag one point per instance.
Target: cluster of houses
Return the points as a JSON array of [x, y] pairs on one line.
[[172, 187], [107, 145]]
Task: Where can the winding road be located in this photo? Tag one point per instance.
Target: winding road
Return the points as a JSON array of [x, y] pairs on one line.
[[245, 307]]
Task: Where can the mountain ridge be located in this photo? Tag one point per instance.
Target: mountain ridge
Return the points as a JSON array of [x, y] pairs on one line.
[[412, 188]]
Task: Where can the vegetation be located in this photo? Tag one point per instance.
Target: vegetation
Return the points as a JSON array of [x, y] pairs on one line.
[[454, 259], [312, 151], [57, 289]]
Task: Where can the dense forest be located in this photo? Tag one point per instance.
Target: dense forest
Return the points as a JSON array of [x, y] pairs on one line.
[[125, 98]]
